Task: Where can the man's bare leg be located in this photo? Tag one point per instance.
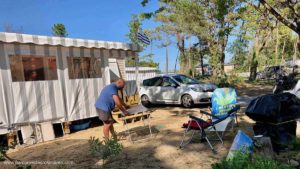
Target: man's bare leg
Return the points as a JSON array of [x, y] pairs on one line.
[[113, 132], [106, 128]]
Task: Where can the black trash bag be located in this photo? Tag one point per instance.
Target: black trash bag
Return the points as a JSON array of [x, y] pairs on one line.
[[274, 108], [281, 135]]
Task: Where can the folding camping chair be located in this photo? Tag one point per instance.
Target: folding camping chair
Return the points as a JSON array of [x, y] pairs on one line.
[[198, 124], [223, 112]]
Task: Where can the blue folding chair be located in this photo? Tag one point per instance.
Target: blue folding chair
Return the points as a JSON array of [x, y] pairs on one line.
[[223, 112]]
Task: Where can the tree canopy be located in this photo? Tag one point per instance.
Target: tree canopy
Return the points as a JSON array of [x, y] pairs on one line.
[[59, 30], [256, 33]]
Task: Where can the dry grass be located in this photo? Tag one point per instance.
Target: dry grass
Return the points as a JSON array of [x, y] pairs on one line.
[[161, 151]]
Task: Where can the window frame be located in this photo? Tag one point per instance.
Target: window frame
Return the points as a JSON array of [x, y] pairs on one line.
[[22, 72], [90, 73]]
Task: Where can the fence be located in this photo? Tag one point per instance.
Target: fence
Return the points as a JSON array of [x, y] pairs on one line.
[[144, 73]]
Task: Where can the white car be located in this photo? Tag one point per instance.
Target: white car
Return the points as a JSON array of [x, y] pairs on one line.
[[175, 89]]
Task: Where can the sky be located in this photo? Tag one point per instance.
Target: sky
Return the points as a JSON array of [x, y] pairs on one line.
[[106, 20]]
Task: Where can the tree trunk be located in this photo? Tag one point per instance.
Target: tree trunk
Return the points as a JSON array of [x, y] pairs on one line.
[[223, 46], [183, 58], [298, 42], [201, 62], [254, 63], [189, 56], [253, 68], [276, 46], [283, 50], [295, 50], [222, 60]]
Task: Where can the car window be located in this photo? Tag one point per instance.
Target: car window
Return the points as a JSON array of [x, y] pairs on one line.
[[152, 82], [168, 82], [185, 79], [158, 82]]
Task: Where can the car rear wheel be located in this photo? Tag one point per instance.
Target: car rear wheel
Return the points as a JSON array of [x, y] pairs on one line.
[[187, 101], [145, 101]]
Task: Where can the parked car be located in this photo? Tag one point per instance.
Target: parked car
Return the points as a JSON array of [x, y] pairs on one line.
[[175, 89], [271, 72]]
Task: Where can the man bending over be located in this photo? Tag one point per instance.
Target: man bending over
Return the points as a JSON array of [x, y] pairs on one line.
[[106, 103]]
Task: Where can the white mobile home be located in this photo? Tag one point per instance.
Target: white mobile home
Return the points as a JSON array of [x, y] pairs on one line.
[[53, 78]]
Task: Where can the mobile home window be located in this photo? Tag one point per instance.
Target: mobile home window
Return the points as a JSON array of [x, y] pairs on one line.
[[84, 67], [32, 68]]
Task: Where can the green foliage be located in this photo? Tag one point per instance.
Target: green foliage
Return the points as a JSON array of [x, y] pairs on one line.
[[134, 26], [249, 161], [105, 148], [227, 81], [145, 61], [286, 12], [144, 2], [239, 50], [215, 21], [297, 144], [26, 167], [62, 166], [59, 30], [4, 149], [95, 146], [2, 153], [148, 64], [112, 148]]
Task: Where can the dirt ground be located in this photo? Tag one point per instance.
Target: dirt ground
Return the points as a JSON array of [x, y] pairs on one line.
[[160, 151]]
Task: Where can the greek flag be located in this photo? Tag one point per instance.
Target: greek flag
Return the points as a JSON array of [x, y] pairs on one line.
[[143, 38]]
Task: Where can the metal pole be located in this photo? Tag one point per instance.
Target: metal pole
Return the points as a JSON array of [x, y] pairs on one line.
[[167, 61], [151, 48], [137, 71]]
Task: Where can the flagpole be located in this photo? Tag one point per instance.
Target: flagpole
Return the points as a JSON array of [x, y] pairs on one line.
[[143, 38], [136, 59]]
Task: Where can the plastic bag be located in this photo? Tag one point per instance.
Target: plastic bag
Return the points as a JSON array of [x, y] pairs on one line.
[[274, 108]]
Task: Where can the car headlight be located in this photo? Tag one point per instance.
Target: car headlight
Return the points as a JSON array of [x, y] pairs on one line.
[[196, 89]]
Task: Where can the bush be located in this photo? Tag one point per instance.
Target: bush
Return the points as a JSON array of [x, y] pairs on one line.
[[2, 153], [105, 148], [249, 161]]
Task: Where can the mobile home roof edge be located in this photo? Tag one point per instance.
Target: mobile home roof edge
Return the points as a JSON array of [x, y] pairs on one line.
[[66, 42]]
